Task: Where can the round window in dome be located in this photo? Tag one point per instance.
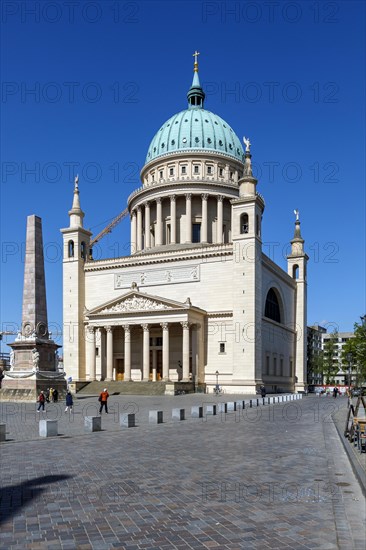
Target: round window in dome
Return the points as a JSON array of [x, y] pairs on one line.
[[154, 149], [209, 140], [220, 142], [206, 120], [230, 146], [176, 122], [196, 139], [173, 141], [162, 145], [184, 140], [186, 120]]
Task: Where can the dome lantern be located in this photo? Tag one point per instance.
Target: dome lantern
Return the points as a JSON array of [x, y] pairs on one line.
[[195, 95]]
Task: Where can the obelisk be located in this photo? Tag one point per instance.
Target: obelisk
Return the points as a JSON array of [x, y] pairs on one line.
[[33, 356], [34, 315]]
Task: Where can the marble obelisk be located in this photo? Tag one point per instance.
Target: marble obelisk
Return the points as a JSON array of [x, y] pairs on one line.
[[33, 356]]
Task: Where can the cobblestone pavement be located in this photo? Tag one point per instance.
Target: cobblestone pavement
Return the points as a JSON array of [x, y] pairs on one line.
[[272, 477]]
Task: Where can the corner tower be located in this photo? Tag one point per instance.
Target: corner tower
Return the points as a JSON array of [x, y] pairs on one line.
[[297, 268], [247, 211], [76, 241]]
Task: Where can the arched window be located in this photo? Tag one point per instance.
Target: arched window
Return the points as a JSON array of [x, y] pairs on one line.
[[70, 249], [83, 250], [244, 223], [272, 308], [295, 271]]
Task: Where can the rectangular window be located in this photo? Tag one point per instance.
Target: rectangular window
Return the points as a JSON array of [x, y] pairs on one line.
[[152, 177], [275, 366], [171, 171], [96, 352], [221, 172], [196, 169], [168, 237], [184, 170], [281, 366], [209, 170], [161, 174], [222, 348], [196, 233], [267, 364]]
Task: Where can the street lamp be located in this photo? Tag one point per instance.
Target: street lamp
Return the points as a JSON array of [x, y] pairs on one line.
[[349, 359]]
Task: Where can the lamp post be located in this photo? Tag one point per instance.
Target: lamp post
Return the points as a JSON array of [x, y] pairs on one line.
[[349, 359], [217, 379]]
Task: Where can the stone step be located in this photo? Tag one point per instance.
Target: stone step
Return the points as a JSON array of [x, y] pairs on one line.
[[123, 388]]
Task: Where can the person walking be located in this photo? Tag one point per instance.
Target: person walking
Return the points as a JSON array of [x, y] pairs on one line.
[[55, 395], [69, 401], [263, 391], [41, 401], [103, 399]]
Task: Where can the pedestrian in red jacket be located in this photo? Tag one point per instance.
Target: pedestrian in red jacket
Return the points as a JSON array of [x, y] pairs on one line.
[[103, 398]]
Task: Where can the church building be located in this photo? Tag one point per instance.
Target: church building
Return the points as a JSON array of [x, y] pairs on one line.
[[197, 299]]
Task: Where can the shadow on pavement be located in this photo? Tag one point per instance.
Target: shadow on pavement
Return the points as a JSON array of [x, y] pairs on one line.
[[14, 497]]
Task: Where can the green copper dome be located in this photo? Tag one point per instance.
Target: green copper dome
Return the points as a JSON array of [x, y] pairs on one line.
[[195, 129]]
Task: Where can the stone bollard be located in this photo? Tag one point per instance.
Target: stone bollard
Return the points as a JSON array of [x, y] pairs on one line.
[[211, 409], [127, 420], [231, 406], [92, 423], [222, 407], [178, 414], [156, 417], [197, 412], [48, 428], [2, 432]]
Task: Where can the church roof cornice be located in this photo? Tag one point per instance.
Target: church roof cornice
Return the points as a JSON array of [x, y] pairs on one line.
[[155, 258]]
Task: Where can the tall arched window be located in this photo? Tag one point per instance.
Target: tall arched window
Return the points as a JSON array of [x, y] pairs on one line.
[[295, 271], [272, 309], [83, 250], [70, 249], [244, 223]]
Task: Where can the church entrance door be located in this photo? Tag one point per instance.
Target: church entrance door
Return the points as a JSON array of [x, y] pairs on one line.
[[120, 369]]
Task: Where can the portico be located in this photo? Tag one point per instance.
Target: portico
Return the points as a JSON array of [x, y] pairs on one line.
[[145, 338]]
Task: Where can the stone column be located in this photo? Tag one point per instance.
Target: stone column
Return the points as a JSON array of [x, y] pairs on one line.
[[91, 352], [173, 220], [154, 361], [185, 326], [188, 217], [109, 331], [146, 353], [204, 218], [159, 223], [194, 336], [165, 327], [219, 219], [147, 225], [127, 361], [139, 229], [133, 231]]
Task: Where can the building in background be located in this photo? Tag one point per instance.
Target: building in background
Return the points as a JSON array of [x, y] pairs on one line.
[[314, 354]]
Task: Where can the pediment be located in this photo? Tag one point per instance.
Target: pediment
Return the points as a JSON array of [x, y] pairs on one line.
[[135, 301]]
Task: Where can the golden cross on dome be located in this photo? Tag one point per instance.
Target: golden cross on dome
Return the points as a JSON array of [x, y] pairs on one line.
[[195, 55]]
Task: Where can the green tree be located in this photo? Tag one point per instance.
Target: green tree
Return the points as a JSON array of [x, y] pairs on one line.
[[330, 365], [357, 348]]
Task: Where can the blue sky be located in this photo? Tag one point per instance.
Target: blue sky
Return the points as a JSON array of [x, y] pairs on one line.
[[85, 88]]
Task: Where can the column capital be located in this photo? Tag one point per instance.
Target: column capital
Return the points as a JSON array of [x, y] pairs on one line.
[[172, 197], [90, 329], [220, 198], [188, 196], [185, 324], [145, 327], [165, 326], [126, 328], [147, 204], [109, 328], [158, 200], [138, 208], [133, 213], [204, 196]]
